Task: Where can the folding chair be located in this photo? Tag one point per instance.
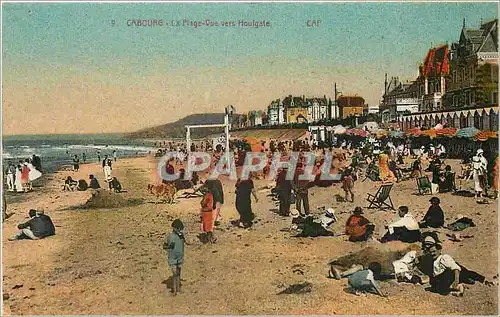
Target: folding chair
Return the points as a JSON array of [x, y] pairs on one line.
[[379, 199], [196, 192], [424, 185]]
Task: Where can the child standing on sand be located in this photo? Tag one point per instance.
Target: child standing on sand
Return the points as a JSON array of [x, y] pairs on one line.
[[174, 244]]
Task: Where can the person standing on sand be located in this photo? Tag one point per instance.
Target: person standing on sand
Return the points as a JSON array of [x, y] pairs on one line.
[[245, 188], [25, 178], [84, 157], [98, 152], [284, 187], [114, 155], [10, 172], [302, 189], [76, 163], [348, 183], [17, 180], [480, 169], [207, 213], [174, 244], [215, 187]]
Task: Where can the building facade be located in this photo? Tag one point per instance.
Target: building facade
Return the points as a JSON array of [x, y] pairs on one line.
[[474, 68], [433, 78], [276, 113], [399, 99], [467, 95], [350, 106], [317, 109]]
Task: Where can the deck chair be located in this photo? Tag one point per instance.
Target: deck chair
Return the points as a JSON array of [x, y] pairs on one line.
[[424, 185], [194, 192], [380, 199]]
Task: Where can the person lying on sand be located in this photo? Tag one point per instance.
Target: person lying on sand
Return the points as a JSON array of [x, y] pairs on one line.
[[361, 279], [446, 275], [39, 226], [318, 227]]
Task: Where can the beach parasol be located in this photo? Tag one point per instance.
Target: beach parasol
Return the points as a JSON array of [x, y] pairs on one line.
[[381, 133], [396, 134], [467, 132], [449, 132], [413, 132], [430, 133], [485, 135], [358, 132]]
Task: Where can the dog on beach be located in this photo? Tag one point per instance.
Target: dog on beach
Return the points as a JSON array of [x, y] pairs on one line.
[[166, 191]]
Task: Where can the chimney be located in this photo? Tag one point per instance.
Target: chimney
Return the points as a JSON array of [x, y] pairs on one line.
[[385, 90]]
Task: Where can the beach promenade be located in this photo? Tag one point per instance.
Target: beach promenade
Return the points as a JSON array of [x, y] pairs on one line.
[[111, 261]]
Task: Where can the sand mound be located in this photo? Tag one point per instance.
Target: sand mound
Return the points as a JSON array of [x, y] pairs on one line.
[[384, 254], [105, 199]]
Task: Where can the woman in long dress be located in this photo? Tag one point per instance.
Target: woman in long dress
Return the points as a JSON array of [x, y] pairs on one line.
[[385, 173], [245, 188], [25, 178], [17, 183]]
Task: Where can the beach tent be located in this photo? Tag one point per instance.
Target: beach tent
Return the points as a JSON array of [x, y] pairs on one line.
[[339, 129], [370, 126]]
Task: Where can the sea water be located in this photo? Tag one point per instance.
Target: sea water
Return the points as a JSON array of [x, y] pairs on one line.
[[56, 151]]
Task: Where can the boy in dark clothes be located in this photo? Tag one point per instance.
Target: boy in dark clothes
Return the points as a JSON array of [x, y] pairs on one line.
[[434, 217], [94, 184]]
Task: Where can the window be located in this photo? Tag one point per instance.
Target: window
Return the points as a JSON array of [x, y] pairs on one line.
[[495, 98]]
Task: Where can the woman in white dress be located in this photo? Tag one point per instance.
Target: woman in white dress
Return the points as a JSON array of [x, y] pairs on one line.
[[17, 183], [107, 172]]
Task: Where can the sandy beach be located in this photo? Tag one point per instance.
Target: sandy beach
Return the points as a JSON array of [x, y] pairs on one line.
[[111, 261]]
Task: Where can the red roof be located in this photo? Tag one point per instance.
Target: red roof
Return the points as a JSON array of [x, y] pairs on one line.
[[348, 101], [436, 62]]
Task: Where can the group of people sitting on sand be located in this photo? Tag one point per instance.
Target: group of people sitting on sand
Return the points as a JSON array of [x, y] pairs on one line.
[[81, 185]]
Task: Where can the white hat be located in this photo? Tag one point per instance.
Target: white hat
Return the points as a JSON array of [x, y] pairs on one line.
[[479, 151], [429, 240], [330, 213], [294, 213], [326, 221]]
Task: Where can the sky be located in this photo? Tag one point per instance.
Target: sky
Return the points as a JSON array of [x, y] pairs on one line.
[[79, 68]]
